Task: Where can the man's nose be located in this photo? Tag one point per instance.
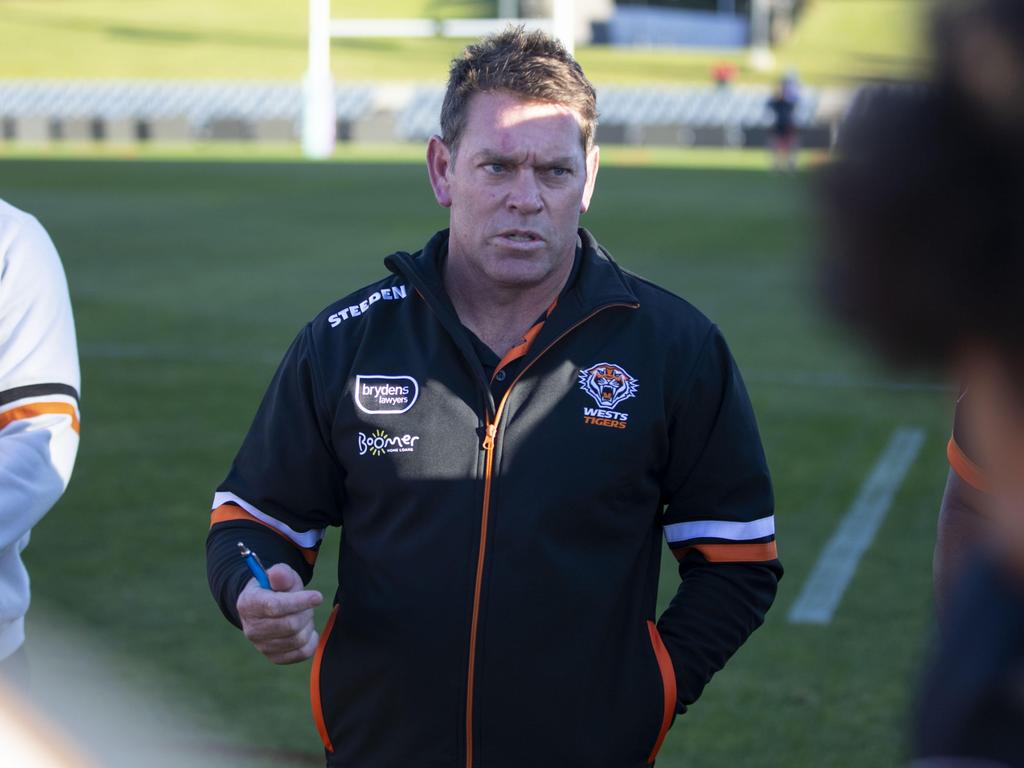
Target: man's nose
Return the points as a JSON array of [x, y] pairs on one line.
[[525, 194]]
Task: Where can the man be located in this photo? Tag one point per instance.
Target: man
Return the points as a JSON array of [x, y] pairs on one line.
[[785, 139], [39, 417], [927, 261], [497, 428]]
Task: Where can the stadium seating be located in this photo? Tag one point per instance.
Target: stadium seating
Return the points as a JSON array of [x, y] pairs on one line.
[[185, 111], [694, 115]]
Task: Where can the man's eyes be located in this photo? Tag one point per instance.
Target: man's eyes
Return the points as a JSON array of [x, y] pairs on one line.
[[557, 172]]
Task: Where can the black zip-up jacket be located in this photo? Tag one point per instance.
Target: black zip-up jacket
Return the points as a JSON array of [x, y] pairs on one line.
[[500, 545]]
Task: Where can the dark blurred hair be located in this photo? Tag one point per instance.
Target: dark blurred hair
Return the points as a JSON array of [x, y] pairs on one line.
[[924, 210], [531, 65]]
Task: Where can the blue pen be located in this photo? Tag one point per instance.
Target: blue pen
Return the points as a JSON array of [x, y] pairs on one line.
[[253, 561]]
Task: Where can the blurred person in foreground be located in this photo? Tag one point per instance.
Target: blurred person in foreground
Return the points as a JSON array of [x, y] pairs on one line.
[[925, 222], [504, 429], [39, 419]]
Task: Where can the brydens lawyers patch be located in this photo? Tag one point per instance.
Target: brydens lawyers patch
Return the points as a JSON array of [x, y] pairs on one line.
[[608, 384], [385, 394]]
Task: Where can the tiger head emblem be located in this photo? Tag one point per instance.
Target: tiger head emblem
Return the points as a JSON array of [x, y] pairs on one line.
[[608, 384]]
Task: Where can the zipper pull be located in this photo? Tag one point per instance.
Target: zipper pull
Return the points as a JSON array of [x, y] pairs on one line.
[[488, 443]]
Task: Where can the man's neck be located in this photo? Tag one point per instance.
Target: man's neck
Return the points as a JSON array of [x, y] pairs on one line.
[[499, 315]]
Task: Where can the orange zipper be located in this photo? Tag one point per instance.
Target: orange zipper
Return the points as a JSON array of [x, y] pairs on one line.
[[488, 444], [490, 434]]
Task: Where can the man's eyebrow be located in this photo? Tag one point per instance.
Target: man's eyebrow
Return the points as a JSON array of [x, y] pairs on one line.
[[493, 156], [559, 162]]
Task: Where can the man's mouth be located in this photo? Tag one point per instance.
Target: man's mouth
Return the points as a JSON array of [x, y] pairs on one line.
[[520, 236]]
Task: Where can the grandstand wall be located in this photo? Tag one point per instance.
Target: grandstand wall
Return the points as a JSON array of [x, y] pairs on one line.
[[187, 111]]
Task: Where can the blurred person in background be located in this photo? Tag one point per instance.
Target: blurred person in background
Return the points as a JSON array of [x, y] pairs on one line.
[[39, 418], [785, 138], [723, 74], [924, 215]]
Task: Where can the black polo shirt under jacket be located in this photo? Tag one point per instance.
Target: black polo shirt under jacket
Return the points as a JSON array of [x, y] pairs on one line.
[[499, 556]]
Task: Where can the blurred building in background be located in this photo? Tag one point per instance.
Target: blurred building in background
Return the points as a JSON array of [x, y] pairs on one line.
[[120, 111]]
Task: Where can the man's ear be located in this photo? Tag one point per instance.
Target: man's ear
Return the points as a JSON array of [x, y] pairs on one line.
[[593, 161], [439, 163]]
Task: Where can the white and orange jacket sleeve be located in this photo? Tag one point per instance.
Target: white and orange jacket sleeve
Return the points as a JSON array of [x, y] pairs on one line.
[[39, 386]]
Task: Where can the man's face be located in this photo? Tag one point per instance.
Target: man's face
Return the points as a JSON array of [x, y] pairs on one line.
[[516, 188]]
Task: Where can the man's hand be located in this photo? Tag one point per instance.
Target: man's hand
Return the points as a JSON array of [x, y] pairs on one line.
[[280, 622]]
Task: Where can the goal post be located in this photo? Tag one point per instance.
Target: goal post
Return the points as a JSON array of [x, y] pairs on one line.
[[319, 120], [319, 117]]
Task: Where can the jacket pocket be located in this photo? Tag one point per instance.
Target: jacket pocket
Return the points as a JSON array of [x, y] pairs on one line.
[[668, 687], [316, 699]]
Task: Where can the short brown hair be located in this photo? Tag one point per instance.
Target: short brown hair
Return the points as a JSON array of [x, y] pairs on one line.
[[532, 65]]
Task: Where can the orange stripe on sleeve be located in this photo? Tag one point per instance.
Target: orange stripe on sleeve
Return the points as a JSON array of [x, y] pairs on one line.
[[732, 553], [968, 471], [227, 512], [40, 409]]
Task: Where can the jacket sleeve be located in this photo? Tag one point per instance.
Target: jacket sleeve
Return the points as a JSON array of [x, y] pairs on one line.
[[39, 378], [719, 522], [960, 450], [285, 486]]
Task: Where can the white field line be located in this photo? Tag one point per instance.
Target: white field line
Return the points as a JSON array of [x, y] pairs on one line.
[[838, 561]]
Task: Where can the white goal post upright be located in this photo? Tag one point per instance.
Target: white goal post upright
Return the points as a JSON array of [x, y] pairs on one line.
[[564, 23], [319, 117], [319, 121], [761, 58]]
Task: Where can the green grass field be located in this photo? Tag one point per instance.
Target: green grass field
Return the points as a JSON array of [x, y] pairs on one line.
[[838, 41], [189, 280]]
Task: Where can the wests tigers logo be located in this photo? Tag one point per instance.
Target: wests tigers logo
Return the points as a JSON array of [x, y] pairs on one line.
[[608, 384]]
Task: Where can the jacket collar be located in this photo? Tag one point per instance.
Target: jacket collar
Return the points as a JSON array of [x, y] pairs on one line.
[[599, 284], [600, 281]]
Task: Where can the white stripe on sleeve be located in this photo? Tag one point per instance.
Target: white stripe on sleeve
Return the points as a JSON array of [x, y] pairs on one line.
[[720, 529], [305, 539]]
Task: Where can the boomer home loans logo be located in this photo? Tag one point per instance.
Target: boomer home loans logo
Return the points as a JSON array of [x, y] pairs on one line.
[[379, 442], [385, 394]]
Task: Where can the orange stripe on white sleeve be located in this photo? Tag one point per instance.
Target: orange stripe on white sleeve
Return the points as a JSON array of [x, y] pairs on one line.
[[40, 408]]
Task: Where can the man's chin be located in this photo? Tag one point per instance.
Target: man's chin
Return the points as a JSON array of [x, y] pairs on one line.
[[520, 282], [504, 265]]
